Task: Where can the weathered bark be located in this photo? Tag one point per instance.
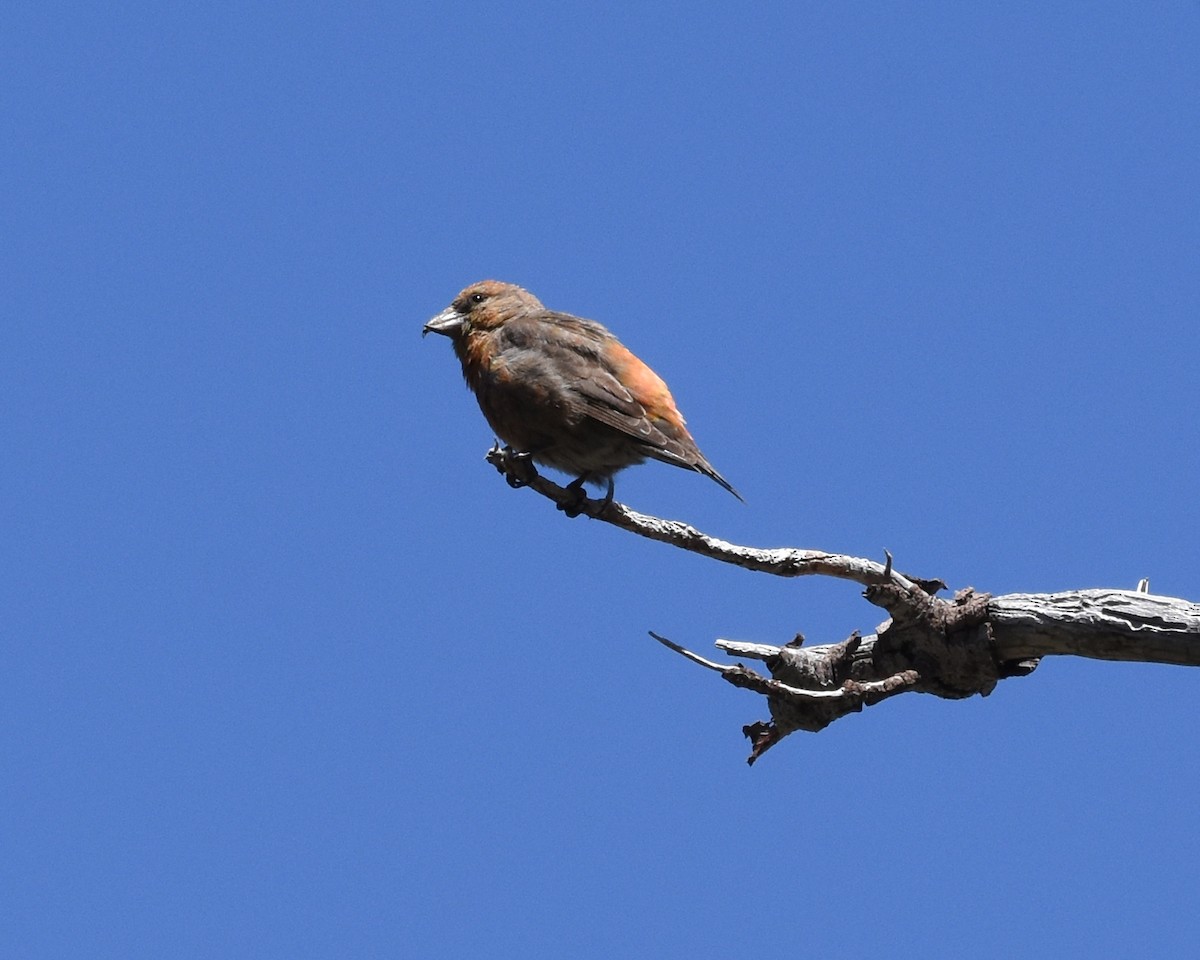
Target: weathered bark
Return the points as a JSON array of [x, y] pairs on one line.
[[1102, 624], [1011, 634], [952, 648]]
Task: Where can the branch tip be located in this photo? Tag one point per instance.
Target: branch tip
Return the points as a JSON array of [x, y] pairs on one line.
[[518, 471], [694, 657]]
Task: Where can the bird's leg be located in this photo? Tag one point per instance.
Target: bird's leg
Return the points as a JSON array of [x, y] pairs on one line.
[[574, 506], [608, 497]]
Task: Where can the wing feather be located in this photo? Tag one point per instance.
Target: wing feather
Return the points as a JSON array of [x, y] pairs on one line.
[[595, 366]]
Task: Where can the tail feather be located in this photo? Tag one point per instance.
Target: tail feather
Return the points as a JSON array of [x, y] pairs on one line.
[[708, 470]]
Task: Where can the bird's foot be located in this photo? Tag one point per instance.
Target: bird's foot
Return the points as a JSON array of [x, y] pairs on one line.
[[578, 497], [521, 468], [516, 466]]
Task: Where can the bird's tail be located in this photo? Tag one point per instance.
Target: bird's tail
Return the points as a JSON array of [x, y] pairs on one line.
[[709, 470]]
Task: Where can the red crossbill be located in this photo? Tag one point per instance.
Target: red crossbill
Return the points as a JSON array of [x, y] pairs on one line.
[[564, 389]]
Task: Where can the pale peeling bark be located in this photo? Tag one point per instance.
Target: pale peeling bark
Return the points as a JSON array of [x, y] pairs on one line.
[[952, 648]]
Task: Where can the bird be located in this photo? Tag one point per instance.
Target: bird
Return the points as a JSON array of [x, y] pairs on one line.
[[564, 390]]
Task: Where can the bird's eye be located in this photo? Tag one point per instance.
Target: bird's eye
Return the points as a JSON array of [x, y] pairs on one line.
[[477, 298]]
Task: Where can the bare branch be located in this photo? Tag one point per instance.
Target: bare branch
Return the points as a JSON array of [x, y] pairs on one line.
[[952, 648], [780, 562], [694, 657], [1017, 630]]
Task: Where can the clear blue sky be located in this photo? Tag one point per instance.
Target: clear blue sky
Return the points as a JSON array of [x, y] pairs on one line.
[[287, 670]]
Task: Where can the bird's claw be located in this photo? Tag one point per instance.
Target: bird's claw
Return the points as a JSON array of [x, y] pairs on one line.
[[574, 506], [516, 466], [522, 463]]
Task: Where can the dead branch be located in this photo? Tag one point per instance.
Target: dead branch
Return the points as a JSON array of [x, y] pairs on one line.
[[952, 648], [780, 562]]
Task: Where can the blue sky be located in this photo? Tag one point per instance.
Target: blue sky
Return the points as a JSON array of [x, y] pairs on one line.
[[289, 672]]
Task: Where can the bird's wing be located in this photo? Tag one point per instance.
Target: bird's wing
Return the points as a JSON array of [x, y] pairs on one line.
[[613, 386], [610, 401], [621, 391], [581, 364], [629, 396]]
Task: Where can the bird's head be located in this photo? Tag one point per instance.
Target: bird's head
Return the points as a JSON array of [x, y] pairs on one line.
[[482, 306]]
